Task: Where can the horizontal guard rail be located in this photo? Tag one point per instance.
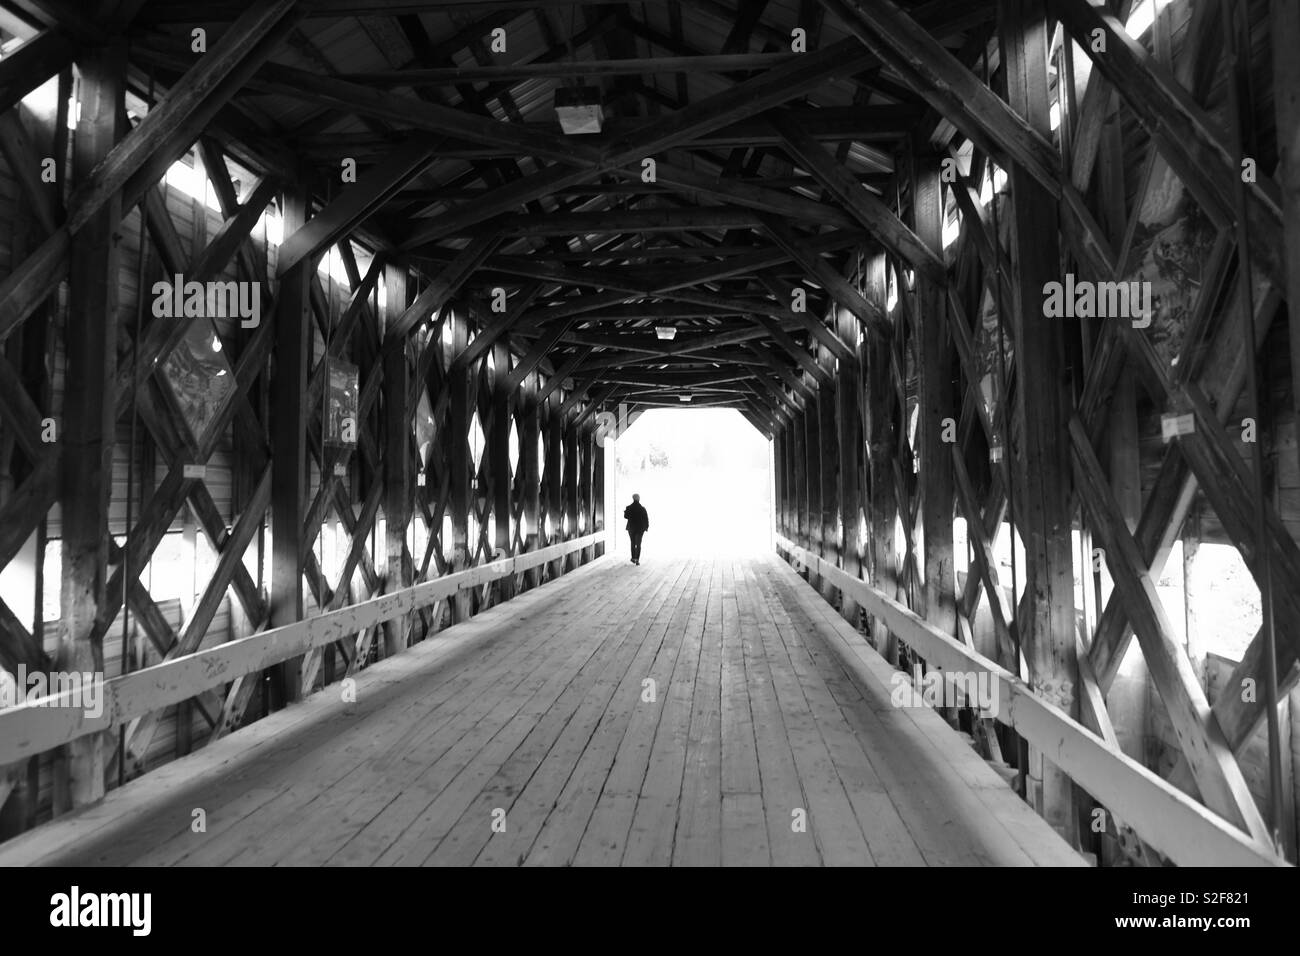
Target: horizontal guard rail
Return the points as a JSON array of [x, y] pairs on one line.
[[46, 722], [1161, 814]]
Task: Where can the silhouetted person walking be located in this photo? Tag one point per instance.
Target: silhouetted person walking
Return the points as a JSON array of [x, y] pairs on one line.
[[637, 524]]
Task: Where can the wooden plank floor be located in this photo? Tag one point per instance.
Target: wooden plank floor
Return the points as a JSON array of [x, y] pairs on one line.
[[683, 712]]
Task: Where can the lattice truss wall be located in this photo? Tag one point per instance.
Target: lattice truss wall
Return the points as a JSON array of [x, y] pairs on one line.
[[967, 406], [463, 448]]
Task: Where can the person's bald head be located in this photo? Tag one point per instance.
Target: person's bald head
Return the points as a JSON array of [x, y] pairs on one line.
[[636, 498]]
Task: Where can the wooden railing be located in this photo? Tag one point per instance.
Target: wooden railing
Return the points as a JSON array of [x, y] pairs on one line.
[[39, 725], [1161, 814]]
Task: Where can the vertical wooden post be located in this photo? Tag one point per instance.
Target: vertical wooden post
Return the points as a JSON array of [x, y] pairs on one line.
[[794, 470], [554, 476], [848, 414], [1043, 503], [529, 435], [937, 416], [829, 465], [86, 474], [1286, 105], [570, 529], [881, 449], [587, 446], [598, 492], [778, 481], [498, 452], [288, 427], [398, 489], [781, 467], [813, 465], [791, 479], [799, 465], [461, 407]]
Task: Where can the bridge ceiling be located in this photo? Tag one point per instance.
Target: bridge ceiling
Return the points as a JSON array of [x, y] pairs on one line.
[[711, 201]]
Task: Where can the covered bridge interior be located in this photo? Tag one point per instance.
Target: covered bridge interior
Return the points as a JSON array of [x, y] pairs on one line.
[[320, 321]]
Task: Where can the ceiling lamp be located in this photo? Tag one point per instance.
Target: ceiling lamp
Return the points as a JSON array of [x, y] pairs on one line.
[[684, 398], [666, 332], [578, 109]]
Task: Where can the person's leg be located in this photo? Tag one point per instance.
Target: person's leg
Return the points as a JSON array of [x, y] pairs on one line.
[[636, 547]]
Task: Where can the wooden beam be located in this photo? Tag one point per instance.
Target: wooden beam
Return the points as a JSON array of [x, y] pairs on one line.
[[830, 466], [411, 112], [769, 89], [825, 275], [937, 419], [570, 483], [1189, 140], [399, 488], [760, 260], [45, 199], [86, 461], [555, 381], [628, 66], [39, 58], [160, 134], [498, 460], [1043, 503], [441, 289], [793, 349], [949, 87], [1209, 754], [357, 201], [794, 382], [502, 323], [141, 732], [865, 125], [763, 198], [986, 566], [533, 358], [234, 232], [1286, 107], [862, 204], [161, 122], [529, 468], [459, 465], [553, 428], [61, 15], [288, 431], [610, 221], [185, 11]]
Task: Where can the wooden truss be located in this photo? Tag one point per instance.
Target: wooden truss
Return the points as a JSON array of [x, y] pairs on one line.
[[495, 286]]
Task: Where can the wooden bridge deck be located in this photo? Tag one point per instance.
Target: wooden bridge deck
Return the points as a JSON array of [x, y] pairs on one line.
[[538, 708]]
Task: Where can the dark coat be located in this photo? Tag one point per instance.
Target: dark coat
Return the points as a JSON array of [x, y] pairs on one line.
[[637, 519]]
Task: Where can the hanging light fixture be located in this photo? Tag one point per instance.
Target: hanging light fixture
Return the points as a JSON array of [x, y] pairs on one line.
[[578, 107], [666, 332]]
